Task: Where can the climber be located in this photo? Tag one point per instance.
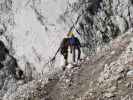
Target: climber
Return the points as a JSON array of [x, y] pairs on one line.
[[64, 49], [75, 45]]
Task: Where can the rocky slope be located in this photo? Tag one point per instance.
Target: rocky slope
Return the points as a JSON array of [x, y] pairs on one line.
[[10, 72], [105, 76], [103, 21], [31, 31], [31, 27]]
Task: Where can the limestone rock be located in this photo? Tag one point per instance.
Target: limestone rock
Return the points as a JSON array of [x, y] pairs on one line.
[[120, 22], [130, 73], [108, 95]]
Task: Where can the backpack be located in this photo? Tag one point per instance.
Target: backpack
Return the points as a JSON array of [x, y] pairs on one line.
[[72, 41], [64, 46]]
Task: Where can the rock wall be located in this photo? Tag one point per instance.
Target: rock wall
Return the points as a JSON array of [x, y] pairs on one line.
[[103, 21], [33, 29], [10, 73]]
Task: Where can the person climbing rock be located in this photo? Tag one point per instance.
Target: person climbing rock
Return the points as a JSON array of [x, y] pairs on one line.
[[63, 48], [75, 45]]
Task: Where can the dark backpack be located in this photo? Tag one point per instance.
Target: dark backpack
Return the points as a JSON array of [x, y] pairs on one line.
[[64, 46]]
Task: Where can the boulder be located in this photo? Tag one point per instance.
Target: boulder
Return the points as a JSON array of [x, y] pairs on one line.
[[120, 22]]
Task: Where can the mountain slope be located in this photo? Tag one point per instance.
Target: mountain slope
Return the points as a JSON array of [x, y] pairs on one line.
[[94, 80], [104, 76], [32, 31]]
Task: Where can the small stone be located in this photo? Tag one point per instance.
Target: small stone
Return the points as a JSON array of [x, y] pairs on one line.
[[69, 66], [120, 69], [67, 80], [119, 81], [112, 89], [130, 73], [127, 97], [113, 52], [109, 95], [87, 58], [127, 85], [117, 77]]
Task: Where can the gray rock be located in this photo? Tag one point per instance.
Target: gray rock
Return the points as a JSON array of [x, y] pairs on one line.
[[112, 89], [130, 73], [120, 22], [108, 95]]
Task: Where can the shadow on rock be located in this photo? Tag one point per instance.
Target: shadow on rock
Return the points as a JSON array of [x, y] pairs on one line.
[[9, 63]]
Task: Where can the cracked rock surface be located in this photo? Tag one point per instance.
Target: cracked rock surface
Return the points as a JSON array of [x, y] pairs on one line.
[[30, 34]]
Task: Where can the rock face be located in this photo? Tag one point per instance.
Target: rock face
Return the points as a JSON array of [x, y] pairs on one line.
[[33, 30], [10, 73], [103, 21], [29, 27], [30, 34], [104, 77]]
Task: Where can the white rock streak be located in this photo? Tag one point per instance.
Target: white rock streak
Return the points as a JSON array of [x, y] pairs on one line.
[[32, 40]]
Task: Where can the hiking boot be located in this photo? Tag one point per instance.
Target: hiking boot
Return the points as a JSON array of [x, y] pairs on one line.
[[78, 62], [74, 64]]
